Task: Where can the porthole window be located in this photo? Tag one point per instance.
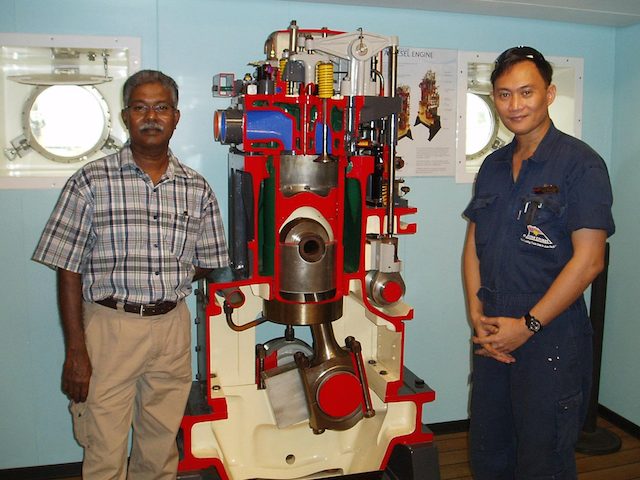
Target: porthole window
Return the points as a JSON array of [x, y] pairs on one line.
[[60, 97], [66, 123], [481, 127]]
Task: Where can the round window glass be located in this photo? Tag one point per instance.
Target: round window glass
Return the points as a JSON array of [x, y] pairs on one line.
[[482, 125], [66, 123]]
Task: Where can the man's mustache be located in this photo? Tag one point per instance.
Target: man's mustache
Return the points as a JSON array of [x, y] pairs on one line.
[[150, 125]]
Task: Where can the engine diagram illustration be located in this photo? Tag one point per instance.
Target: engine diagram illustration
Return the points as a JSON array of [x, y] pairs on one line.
[[429, 103]]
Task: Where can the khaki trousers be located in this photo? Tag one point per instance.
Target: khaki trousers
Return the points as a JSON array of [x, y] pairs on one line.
[[141, 378]]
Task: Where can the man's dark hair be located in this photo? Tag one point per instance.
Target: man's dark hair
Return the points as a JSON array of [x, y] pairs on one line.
[[149, 76], [515, 55]]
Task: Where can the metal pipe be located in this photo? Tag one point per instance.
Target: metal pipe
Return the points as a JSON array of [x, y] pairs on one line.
[[261, 353], [293, 37], [324, 157], [356, 349], [352, 129], [393, 134], [228, 311]]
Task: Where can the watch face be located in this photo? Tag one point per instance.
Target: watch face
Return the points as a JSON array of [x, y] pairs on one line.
[[533, 324]]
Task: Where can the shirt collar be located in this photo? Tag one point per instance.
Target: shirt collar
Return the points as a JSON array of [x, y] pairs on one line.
[[541, 153], [175, 168]]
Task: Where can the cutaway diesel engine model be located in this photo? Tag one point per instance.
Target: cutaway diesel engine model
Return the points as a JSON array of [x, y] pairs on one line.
[[315, 211]]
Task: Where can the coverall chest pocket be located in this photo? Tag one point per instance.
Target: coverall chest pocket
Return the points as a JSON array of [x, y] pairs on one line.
[[484, 214], [543, 219]]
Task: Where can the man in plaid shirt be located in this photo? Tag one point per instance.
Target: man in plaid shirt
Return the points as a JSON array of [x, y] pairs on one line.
[[128, 236]]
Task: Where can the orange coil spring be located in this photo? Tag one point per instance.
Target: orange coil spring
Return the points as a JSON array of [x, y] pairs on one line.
[[385, 194], [324, 71]]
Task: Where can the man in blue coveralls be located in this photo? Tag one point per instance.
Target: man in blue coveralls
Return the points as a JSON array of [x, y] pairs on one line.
[[538, 223]]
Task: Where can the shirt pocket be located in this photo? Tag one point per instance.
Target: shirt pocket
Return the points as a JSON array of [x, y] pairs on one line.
[[543, 221], [483, 210], [183, 235]]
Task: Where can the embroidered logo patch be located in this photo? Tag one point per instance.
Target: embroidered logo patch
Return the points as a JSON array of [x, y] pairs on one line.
[[536, 237]]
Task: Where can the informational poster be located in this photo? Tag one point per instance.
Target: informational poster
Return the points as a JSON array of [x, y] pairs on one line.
[[427, 85]]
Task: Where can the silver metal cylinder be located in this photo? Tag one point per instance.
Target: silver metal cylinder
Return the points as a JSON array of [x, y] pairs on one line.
[[227, 126], [302, 313], [307, 258], [300, 173]]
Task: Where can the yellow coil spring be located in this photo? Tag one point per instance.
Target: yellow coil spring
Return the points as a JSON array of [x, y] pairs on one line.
[[283, 64], [385, 194], [324, 71]]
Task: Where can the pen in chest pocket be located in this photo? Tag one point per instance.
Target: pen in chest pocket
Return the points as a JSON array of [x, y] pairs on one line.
[[530, 209]]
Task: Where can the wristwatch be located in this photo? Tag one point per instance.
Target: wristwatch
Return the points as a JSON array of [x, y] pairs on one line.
[[532, 323]]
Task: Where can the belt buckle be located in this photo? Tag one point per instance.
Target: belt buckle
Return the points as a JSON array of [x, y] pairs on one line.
[[141, 312]]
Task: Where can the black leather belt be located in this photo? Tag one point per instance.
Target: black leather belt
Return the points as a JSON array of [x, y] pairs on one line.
[[138, 308]]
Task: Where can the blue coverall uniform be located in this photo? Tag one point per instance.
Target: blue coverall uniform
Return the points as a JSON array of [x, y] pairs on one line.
[[526, 417]]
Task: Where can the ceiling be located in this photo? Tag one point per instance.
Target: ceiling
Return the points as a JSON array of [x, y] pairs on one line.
[[611, 13]]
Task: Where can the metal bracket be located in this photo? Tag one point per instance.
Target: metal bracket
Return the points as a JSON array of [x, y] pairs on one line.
[[19, 148]]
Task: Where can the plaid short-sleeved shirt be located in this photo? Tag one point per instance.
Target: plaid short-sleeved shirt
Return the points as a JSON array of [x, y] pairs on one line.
[[130, 239]]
